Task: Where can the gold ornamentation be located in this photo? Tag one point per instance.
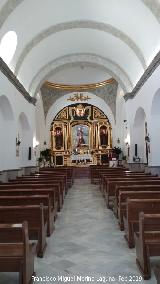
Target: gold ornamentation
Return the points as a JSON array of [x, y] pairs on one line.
[[98, 114], [79, 87], [78, 97], [63, 114]]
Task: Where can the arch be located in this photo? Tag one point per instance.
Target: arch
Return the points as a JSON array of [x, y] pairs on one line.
[[139, 134], [139, 116], [6, 108], [26, 138], [113, 69], [153, 6], [155, 129], [79, 24], [8, 135], [24, 121], [7, 9], [63, 102]]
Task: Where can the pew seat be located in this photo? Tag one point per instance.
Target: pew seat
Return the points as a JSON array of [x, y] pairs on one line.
[[131, 218], [16, 252], [35, 215], [147, 242]]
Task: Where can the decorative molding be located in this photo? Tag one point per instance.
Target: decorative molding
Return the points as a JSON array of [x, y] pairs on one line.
[[79, 87], [108, 93], [79, 97], [88, 24], [13, 79], [63, 62], [7, 9], [149, 71], [154, 7]]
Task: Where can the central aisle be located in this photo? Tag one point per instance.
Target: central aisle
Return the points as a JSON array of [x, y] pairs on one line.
[[87, 241]]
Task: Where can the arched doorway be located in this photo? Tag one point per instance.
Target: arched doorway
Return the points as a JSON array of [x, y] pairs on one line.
[[79, 134], [138, 138], [24, 149], [7, 137], [155, 129]]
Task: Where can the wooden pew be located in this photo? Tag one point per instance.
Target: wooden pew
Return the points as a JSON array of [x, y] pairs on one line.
[[95, 171], [131, 219], [67, 170], [9, 200], [157, 273], [34, 189], [150, 186], [16, 252], [45, 184], [112, 183], [50, 176], [127, 174], [46, 179], [35, 215], [123, 195], [147, 242], [56, 179]]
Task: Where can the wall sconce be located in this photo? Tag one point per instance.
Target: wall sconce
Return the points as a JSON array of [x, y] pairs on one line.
[[18, 141], [118, 141], [147, 138], [126, 142]]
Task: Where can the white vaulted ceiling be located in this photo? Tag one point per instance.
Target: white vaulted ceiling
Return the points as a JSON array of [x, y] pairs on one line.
[[118, 37]]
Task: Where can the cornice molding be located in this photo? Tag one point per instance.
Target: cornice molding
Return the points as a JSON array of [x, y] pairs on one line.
[[146, 75], [15, 82], [7, 9], [51, 68], [108, 93], [79, 87]]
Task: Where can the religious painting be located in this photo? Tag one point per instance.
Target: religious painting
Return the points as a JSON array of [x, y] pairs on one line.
[[58, 135], [80, 136], [103, 136], [80, 112]]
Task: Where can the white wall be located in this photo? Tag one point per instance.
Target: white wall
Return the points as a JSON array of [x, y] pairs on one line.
[[40, 135], [144, 99], [12, 104], [122, 127]]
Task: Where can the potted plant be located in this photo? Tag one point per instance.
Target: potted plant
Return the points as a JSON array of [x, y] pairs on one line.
[[45, 156], [117, 151]]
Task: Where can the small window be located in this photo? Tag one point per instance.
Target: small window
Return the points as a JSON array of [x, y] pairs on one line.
[[8, 46]]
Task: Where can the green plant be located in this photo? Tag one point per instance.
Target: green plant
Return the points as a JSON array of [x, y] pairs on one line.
[[124, 158], [40, 159], [117, 150], [45, 154]]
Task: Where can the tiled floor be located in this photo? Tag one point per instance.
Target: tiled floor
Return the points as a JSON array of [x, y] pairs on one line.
[[86, 242]]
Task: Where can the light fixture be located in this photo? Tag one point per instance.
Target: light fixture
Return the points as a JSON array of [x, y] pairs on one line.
[[147, 138], [18, 142], [127, 140], [118, 141], [35, 142]]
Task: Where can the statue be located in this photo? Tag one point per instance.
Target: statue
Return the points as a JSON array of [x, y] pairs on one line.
[[81, 140], [103, 136], [58, 138]]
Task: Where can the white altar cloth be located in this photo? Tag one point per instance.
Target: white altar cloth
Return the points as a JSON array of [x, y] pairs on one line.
[[81, 157]]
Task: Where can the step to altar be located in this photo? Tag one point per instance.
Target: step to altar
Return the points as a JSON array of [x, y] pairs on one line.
[[81, 172]]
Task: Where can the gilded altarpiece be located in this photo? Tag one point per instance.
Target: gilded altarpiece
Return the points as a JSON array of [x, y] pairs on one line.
[[80, 132]]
